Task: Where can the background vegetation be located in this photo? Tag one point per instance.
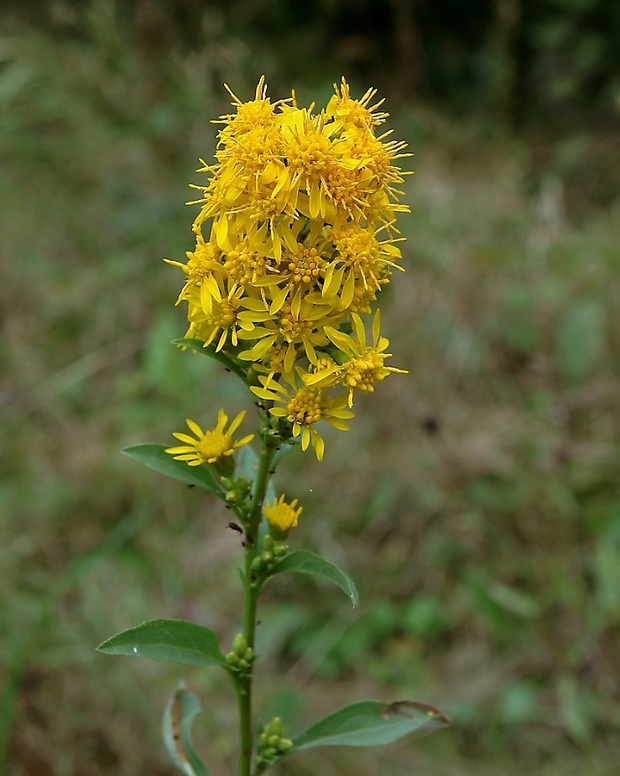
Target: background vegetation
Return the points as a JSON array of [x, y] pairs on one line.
[[475, 501]]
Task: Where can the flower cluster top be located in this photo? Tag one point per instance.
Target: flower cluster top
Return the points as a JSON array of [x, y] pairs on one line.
[[295, 238]]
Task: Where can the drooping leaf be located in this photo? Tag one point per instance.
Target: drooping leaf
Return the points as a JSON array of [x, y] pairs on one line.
[[156, 458], [173, 641], [304, 562], [179, 714], [371, 723]]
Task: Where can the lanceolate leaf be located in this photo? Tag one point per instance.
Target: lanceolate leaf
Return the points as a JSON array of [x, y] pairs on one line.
[[173, 641], [180, 711], [370, 723], [156, 458], [304, 562]]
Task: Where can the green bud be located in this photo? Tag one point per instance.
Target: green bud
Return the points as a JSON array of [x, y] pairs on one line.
[[276, 726], [243, 486], [239, 644]]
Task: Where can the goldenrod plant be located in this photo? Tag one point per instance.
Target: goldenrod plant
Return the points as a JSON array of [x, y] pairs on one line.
[[295, 238]]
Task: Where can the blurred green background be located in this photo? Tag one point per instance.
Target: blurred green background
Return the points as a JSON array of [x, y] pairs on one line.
[[475, 501]]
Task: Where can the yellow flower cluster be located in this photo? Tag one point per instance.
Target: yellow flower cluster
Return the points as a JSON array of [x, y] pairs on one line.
[[295, 238]]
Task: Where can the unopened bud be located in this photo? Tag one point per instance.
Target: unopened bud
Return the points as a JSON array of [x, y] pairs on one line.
[[239, 644]]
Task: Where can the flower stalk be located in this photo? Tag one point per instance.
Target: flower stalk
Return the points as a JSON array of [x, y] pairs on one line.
[[251, 589]]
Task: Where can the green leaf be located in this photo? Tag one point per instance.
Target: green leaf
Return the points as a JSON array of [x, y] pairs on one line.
[[304, 562], [156, 458], [173, 641], [371, 723], [180, 711]]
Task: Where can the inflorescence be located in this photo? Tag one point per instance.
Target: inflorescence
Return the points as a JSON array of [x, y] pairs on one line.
[[295, 238]]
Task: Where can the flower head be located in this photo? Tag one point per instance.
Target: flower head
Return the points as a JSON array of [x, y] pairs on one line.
[[281, 515], [357, 365], [355, 112], [304, 406], [209, 446]]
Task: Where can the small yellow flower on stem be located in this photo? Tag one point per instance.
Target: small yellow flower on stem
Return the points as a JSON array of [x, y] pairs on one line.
[[282, 516], [213, 446], [361, 365], [304, 407]]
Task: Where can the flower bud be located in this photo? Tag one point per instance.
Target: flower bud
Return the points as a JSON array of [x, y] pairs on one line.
[[239, 644]]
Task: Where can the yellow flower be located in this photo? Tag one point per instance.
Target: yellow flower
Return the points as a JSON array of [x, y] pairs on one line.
[[302, 407], [209, 446], [220, 307], [282, 516], [310, 155], [300, 328], [355, 112], [363, 365], [250, 268], [256, 112], [361, 263], [200, 263]]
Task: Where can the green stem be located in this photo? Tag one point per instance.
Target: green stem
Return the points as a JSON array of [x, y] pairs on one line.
[[269, 446]]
